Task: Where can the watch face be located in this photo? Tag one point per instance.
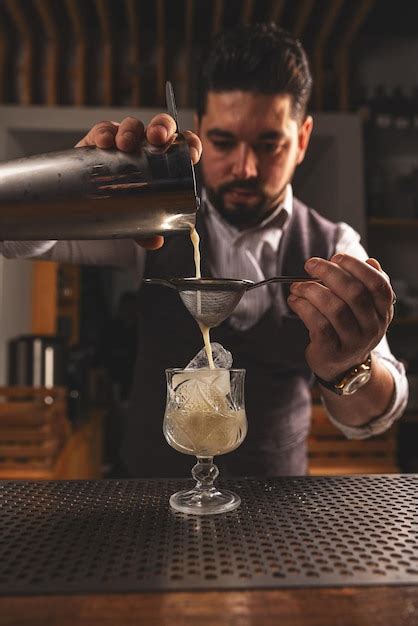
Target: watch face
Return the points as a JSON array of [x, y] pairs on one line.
[[356, 382]]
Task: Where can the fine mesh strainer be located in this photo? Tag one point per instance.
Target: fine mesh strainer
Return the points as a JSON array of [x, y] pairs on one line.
[[212, 300]]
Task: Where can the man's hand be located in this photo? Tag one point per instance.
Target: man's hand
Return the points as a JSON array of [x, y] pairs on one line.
[[346, 316], [128, 136]]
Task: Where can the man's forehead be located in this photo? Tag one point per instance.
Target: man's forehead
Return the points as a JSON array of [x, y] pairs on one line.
[[237, 108]]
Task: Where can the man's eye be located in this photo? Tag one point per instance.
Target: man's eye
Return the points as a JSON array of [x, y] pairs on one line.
[[268, 147], [223, 145]]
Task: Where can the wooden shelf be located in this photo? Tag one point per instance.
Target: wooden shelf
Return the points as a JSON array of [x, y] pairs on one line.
[[405, 321], [393, 222], [80, 459], [331, 453], [44, 297], [50, 302]]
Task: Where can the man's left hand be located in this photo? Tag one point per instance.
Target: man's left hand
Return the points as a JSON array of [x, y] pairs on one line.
[[347, 314]]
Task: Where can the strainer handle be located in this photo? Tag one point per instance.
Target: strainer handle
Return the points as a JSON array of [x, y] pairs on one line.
[[171, 103], [158, 281], [282, 279]]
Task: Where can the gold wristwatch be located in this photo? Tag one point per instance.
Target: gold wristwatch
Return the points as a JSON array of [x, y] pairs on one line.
[[351, 381]]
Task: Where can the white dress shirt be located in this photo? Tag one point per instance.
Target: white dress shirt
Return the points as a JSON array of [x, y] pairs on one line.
[[249, 254]]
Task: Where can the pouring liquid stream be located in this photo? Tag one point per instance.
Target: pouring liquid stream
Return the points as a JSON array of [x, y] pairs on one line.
[[205, 330], [194, 236]]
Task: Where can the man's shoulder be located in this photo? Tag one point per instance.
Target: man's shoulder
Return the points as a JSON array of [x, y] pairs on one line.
[[304, 212], [314, 234]]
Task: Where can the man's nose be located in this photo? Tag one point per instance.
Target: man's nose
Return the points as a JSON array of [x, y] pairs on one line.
[[245, 162]]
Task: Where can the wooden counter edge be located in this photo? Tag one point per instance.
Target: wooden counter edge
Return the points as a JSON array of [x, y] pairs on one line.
[[354, 606]]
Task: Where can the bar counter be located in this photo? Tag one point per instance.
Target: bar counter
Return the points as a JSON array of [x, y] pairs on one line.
[[307, 550]]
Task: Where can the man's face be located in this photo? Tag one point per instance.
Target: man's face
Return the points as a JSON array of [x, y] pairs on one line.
[[251, 146]]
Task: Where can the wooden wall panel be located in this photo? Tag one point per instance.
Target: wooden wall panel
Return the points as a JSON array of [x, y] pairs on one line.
[[44, 298]]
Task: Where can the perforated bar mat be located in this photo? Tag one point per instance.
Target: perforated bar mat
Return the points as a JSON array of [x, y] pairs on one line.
[[102, 536]]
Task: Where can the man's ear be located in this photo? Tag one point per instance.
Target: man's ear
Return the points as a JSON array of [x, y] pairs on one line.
[[305, 131]]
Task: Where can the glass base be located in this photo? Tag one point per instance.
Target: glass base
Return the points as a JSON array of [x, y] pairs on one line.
[[204, 501]]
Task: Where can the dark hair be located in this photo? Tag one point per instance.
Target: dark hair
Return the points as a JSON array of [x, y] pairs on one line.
[[262, 58]]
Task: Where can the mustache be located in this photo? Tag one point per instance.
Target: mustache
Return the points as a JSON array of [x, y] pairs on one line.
[[249, 184]]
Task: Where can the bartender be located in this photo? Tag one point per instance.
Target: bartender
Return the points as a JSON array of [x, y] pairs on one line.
[[254, 128]]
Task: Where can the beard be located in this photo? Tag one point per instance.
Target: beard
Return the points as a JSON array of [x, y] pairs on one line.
[[244, 214]]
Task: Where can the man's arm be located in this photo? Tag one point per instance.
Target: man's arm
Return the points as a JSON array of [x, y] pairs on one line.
[[349, 242], [368, 403], [347, 316], [116, 252], [392, 412], [127, 137]]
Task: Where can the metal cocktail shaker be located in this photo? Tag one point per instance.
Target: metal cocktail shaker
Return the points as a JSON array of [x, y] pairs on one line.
[[89, 193]]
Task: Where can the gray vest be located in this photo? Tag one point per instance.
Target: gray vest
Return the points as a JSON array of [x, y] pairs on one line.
[[277, 381]]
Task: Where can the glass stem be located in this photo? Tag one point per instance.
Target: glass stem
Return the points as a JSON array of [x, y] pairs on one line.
[[205, 473]]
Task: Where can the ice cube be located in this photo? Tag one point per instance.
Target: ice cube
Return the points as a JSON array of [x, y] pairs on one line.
[[222, 358], [203, 384]]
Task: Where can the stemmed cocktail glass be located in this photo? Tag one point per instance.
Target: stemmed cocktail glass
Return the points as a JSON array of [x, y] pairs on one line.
[[205, 416]]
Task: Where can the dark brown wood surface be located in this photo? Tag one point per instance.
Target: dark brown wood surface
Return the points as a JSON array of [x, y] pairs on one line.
[[360, 606]]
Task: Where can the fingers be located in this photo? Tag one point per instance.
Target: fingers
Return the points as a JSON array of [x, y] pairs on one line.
[[375, 279], [195, 145], [349, 299], [328, 353], [359, 284], [152, 243], [375, 263], [101, 135], [161, 129], [333, 310], [126, 136], [325, 345], [317, 324], [130, 134]]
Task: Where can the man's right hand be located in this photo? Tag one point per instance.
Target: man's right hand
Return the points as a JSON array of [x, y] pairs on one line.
[[128, 136]]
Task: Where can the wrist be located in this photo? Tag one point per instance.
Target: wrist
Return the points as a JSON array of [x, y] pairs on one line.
[[336, 372], [351, 380]]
